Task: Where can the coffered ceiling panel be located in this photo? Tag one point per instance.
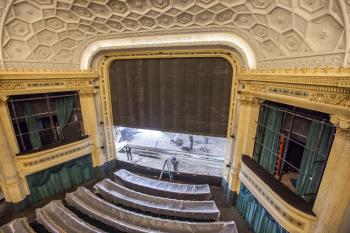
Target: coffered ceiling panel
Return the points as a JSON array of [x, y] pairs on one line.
[[284, 33]]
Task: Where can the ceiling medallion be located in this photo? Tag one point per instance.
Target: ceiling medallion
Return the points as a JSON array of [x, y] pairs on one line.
[[324, 34], [281, 19], [291, 43], [243, 20]]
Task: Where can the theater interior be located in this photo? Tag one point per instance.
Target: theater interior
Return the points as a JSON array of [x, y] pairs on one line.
[[179, 116]]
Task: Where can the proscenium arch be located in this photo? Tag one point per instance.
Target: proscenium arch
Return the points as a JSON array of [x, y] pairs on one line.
[[229, 39], [105, 96]]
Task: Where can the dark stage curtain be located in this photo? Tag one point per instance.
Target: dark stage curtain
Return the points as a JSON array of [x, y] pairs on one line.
[[190, 95]]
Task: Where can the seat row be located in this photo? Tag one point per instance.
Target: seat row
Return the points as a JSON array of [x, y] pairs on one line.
[[107, 205], [161, 188]]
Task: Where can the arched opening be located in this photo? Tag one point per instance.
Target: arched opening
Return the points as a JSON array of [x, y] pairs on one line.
[[175, 91], [172, 108]]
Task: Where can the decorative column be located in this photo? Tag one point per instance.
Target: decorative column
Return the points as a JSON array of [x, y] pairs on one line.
[[13, 186], [334, 193], [91, 126], [244, 144]]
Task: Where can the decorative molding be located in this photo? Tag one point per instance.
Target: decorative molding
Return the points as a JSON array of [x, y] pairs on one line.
[[87, 92], [313, 87], [291, 219], [28, 81], [331, 98], [14, 73], [37, 161], [317, 60], [305, 71], [183, 39], [244, 99], [287, 91]]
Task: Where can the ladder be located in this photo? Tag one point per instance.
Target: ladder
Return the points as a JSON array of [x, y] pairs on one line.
[[167, 169]]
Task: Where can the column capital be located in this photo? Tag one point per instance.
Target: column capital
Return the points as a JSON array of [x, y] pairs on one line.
[[87, 92], [342, 123], [3, 99], [246, 99]]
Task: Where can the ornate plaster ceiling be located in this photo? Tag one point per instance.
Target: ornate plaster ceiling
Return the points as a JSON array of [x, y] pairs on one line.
[[284, 33]]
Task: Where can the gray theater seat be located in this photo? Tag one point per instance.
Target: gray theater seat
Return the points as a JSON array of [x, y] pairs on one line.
[[127, 221], [118, 194], [57, 218], [18, 225], [162, 188]]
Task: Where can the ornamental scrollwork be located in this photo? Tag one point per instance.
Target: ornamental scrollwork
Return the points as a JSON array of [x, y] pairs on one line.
[[327, 85], [244, 99], [330, 98], [11, 86], [87, 92]]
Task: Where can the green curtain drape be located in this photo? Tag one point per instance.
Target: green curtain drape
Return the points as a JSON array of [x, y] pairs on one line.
[[255, 214], [314, 159], [266, 154], [31, 125], [260, 132], [64, 108], [59, 178]]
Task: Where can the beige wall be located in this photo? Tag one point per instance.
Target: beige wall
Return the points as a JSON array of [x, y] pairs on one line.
[[316, 89]]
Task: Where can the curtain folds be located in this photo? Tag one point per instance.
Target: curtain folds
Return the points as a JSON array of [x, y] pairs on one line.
[[64, 108], [266, 148], [260, 132], [314, 159], [255, 214], [34, 136], [190, 95], [59, 178]]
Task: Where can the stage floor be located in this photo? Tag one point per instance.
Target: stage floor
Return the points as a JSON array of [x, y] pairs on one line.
[[150, 148], [188, 163]]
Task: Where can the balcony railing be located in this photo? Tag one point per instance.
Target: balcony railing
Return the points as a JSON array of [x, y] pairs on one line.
[[31, 163], [290, 210]]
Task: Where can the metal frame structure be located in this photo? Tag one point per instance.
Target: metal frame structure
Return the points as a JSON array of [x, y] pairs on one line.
[[287, 136], [50, 113]]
